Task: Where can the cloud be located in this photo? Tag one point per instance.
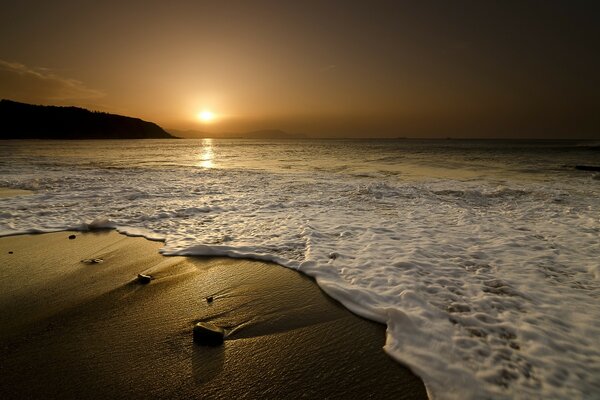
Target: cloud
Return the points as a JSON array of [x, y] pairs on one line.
[[39, 85]]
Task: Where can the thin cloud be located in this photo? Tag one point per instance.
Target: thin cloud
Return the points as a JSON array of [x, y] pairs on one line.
[[330, 67], [40, 85]]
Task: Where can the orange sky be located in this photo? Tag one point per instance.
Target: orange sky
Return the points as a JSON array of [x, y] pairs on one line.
[[463, 69]]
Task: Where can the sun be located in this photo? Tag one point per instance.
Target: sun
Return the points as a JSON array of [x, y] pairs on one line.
[[206, 116]]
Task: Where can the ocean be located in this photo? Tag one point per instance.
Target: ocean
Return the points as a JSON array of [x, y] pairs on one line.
[[481, 257]]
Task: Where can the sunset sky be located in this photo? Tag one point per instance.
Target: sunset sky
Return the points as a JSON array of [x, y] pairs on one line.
[[353, 69]]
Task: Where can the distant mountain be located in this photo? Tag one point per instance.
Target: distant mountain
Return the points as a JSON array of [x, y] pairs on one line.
[[272, 134], [189, 134], [262, 134], [27, 121]]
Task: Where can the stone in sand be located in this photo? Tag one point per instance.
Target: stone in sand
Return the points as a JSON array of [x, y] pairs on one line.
[[72, 237], [10, 252], [209, 299], [144, 278], [92, 261], [207, 334]]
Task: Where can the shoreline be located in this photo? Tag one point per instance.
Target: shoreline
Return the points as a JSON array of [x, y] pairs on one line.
[[95, 327]]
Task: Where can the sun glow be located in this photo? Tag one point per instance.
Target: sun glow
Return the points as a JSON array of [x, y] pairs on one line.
[[207, 155], [206, 116]]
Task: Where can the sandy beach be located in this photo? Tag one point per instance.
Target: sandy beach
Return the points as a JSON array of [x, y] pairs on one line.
[[73, 329], [8, 192]]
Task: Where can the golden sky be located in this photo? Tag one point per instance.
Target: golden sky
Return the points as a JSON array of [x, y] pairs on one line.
[[372, 69]]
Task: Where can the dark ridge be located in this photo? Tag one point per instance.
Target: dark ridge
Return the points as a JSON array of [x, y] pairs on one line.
[[587, 167], [28, 121]]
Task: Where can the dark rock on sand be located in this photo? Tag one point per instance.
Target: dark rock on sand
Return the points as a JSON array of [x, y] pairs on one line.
[[71, 237], [144, 278], [92, 261], [209, 299], [587, 167], [207, 334], [10, 252]]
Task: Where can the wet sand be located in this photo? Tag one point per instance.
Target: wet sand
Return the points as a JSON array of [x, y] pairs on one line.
[[70, 329], [8, 192]]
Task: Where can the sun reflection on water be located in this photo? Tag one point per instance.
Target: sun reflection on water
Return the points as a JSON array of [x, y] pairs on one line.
[[207, 156]]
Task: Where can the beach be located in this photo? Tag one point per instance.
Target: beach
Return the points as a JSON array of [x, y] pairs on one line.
[[76, 328], [473, 262], [8, 192]]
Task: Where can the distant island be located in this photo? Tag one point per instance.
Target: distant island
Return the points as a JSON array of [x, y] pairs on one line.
[[28, 121], [261, 134]]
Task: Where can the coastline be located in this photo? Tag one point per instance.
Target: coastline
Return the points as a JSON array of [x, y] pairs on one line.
[[74, 329]]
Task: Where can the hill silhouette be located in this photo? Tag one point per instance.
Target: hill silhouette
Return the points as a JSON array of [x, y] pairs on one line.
[[28, 121]]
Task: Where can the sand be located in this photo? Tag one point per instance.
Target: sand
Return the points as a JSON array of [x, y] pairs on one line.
[[69, 329], [8, 192]]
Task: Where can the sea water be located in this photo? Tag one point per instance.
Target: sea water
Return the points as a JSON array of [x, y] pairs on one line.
[[482, 257]]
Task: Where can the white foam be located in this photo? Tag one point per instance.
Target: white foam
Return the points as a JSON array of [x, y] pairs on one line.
[[488, 280]]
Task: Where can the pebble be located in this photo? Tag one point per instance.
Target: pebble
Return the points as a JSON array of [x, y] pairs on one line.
[[144, 278], [92, 260], [207, 334], [72, 237]]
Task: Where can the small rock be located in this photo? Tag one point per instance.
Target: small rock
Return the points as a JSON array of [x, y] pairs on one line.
[[92, 261], [10, 252], [144, 278], [207, 334], [71, 237], [209, 299]]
